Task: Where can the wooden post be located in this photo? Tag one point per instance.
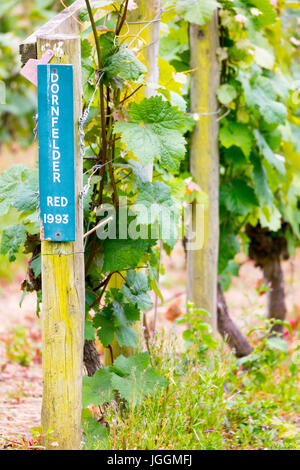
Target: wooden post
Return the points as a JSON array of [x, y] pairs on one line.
[[66, 22], [147, 10], [63, 282], [204, 161], [63, 291]]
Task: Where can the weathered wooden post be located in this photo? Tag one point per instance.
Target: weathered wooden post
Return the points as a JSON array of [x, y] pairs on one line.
[[63, 275], [60, 166], [202, 263]]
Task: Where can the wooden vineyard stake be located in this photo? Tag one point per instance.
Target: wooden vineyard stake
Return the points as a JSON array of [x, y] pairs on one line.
[[65, 22], [202, 263], [62, 261], [63, 279]]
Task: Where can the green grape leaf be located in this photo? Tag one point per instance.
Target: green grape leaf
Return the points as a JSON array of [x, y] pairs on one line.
[[89, 331], [196, 11], [278, 344], [291, 154], [262, 96], [262, 189], [235, 156], [105, 328], [4, 206], [124, 365], [26, 193], [88, 73], [157, 199], [126, 336], [274, 139], [238, 197], [270, 217], [119, 313], [154, 132], [124, 313], [36, 265], [138, 385], [238, 135], [268, 153], [124, 64], [135, 290], [133, 379], [151, 381], [264, 57], [19, 186], [86, 48], [229, 246], [142, 300], [108, 44], [13, 238], [125, 387], [10, 179], [267, 13], [95, 430], [97, 389], [132, 313], [226, 93], [137, 281], [123, 254]]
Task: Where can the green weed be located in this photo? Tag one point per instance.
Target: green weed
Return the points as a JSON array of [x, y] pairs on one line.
[[213, 401]]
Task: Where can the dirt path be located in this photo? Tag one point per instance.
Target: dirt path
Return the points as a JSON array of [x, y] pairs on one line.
[[20, 386]]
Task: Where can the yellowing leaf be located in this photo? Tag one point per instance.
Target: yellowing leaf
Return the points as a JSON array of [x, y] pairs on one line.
[[167, 76]]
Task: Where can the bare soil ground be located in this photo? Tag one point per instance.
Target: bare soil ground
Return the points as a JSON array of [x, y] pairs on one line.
[[15, 154], [20, 386]]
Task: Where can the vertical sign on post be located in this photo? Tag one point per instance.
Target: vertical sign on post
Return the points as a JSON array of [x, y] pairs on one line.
[[56, 151], [62, 243]]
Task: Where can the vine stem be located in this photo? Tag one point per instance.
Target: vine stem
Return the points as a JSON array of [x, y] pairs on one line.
[[103, 222], [101, 88], [131, 94], [94, 28], [119, 26]]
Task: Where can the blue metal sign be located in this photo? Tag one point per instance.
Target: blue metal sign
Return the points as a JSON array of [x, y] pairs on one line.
[[56, 151]]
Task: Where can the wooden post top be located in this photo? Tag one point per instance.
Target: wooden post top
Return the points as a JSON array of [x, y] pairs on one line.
[[66, 21]]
